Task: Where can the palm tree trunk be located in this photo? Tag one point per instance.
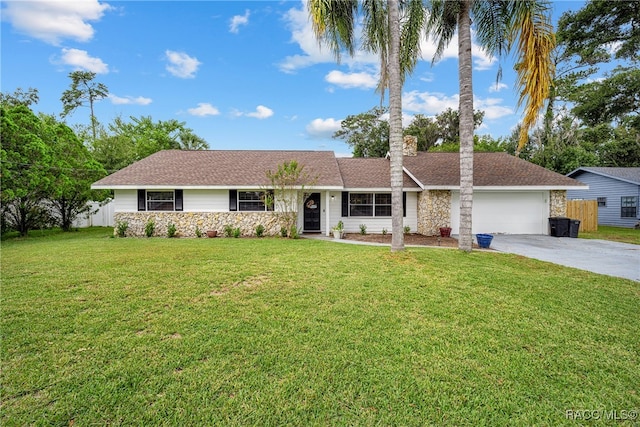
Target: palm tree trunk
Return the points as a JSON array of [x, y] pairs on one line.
[[395, 125], [465, 241]]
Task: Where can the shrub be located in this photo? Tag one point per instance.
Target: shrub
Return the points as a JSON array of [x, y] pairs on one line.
[[171, 230], [283, 231], [236, 232], [198, 232], [294, 233], [363, 229], [384, 231], [149, 228], [407, 229], [259, 230], [121, 228], [228, 231]]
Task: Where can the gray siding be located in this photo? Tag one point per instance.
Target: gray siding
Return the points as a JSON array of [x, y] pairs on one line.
[[613, 190]]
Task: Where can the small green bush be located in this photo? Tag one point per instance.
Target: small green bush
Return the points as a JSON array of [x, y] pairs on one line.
[[294, 233], [121, 228], [363, 229], [198, 232], [384, 231], [259, 230], [149, 228], [283, 231], [407, 229], [236, 232], [171, 230], [228, 231]]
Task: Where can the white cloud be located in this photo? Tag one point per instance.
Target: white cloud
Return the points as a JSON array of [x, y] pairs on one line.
[[352, 80], [237, 21], [204, 109], [181, 65], [323, 128], [431, 103], [80, 60], [52, 21], [491, 108], [261, 112], [129, 100], [497, 87]]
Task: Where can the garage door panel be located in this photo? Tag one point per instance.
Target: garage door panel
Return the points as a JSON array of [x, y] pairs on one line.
[[505, 212]]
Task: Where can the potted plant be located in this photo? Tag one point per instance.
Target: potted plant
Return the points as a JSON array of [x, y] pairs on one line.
[[484, 240], [445, 231], [212, 233], [338, 230]]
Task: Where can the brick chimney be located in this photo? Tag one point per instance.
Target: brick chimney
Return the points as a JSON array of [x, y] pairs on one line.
[[410, 145]]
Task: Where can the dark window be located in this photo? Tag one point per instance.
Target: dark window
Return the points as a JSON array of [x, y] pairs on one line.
[[628, 206], [160, 201], [602, 202], [251, 201], [370, 204]]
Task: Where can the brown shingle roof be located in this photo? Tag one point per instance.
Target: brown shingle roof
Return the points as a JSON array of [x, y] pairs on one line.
[[369, 173], [238, 168], [223, 168], [489, 170]]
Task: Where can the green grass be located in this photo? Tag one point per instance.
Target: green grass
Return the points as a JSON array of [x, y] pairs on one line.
[[99, 330], [616, 234]]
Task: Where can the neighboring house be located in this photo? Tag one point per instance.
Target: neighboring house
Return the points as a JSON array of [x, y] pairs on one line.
[[617, 191], [212, 189]]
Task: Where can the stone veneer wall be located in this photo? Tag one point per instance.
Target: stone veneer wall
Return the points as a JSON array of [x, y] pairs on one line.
[[186, 222], [558, 203], [434, 211]]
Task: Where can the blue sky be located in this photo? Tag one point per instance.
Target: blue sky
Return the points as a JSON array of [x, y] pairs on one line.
[[242, 75]]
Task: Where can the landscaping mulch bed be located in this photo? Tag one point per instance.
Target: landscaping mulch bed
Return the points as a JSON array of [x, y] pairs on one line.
[[409, 239]]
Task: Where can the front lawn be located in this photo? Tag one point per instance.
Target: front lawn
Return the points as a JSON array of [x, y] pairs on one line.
[[100, 330], [616, 234]]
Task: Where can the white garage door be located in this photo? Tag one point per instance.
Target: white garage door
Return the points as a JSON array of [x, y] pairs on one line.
[[505, 212]]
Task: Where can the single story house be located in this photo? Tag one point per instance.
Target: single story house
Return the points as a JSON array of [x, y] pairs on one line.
[[212, 189], [617, 191]]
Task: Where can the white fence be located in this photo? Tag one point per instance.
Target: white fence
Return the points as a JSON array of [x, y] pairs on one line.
[[100, 215]]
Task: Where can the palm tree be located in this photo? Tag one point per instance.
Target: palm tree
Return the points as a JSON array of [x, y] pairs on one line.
[[386, 23], [498, 24]]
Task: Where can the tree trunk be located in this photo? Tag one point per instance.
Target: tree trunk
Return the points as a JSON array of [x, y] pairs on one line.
[[465, 241], [395, 125]]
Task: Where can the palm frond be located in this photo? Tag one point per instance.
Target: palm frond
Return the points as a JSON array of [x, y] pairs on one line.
[[535, 68], [333, 22]]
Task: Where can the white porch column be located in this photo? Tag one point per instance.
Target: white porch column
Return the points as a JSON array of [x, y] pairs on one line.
[[327, 213]]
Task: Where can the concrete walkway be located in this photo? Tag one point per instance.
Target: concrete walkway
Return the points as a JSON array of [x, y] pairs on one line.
[[598, 256]]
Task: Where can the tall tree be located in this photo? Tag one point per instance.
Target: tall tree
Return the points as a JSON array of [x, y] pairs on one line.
[[74, 169], [84, 90], [498, 25], [366, 133], [27, 177], [334, 22]]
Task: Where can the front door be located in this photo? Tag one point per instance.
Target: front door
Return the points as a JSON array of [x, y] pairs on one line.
[[312, 212]]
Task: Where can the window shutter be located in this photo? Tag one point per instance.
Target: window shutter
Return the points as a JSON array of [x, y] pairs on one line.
[[404, 203], [345, 203], [233, 200], [178, 200], [142, 200]]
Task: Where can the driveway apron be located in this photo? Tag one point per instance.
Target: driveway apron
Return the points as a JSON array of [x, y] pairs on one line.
[[598, 256]]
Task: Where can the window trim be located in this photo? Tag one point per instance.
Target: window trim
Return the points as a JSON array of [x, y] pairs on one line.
[[374, 204], [236, 201], [172, 200], [628, 207], [177, 200]]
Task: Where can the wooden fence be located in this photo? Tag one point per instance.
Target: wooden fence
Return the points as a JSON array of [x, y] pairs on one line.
[[586, 211]]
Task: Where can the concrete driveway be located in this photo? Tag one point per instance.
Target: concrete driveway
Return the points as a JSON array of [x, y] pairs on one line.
[[598, 256]]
